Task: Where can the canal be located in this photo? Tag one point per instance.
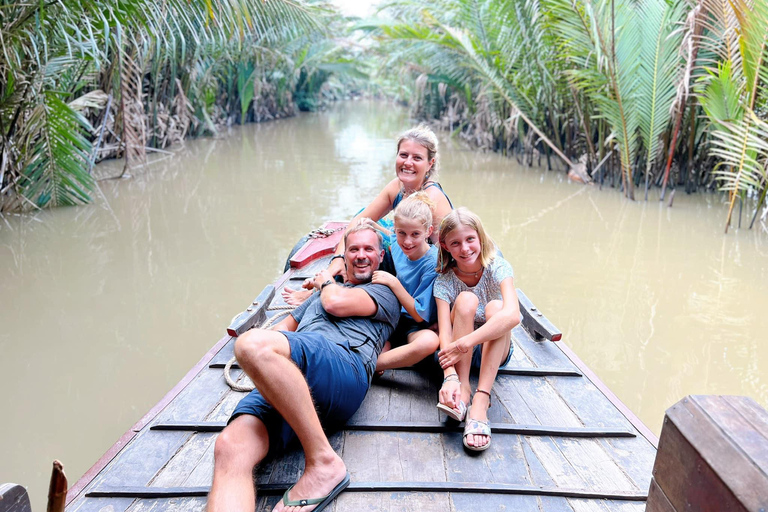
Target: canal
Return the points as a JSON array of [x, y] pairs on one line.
[[106, 306]]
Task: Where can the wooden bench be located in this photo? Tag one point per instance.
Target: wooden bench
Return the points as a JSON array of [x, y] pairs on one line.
[[713, 455]]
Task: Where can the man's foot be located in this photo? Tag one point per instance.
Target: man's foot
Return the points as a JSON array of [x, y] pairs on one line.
[[320, 480], [479, 412], [295, 297]]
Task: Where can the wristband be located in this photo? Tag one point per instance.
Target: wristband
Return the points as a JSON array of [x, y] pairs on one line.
[[330, 281], [334, 257]]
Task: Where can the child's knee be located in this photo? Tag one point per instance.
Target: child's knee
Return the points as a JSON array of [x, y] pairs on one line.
[[492, 308], [466, 304]]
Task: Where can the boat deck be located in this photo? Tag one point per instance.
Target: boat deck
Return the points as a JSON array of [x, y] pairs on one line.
[[561, 440]]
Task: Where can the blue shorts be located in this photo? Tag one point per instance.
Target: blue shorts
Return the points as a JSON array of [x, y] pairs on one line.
[[336, 378], [477, 353], [405, 326]]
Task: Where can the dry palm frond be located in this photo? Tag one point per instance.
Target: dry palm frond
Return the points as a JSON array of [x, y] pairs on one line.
[[131, 98]]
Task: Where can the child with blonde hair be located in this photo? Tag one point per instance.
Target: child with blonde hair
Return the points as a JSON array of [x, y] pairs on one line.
[[415, 261], [477, 307]]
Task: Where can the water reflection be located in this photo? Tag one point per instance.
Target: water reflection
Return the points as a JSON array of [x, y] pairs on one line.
[[106, 306]]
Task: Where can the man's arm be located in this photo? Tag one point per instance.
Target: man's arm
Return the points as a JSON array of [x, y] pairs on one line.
[[341, 301]]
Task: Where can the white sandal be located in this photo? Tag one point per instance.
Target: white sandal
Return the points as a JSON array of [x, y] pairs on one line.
[[478, 427], [457, 414]]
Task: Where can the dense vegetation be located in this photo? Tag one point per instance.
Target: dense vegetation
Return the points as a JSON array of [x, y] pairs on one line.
[[81, 80], [631, 93], [636, 93]]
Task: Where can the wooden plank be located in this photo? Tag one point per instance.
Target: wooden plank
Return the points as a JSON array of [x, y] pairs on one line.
[[555, 464], [749, 436], [394, 457], [393, 502], [657, 500], [14, 498], [535, 322], [635, 456], [198, 399], [169, 504], [541, 354], [101, 504], [541, 399], [698, 463], [184, 461], [87, 478], [424, 427], [503, 463], [596, 467], [639, 425], [142, 458], [464, 502], [383, 487], [552, 504], [591, 407]]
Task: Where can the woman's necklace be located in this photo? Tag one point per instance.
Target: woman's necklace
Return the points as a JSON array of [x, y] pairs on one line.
[[473, 274]]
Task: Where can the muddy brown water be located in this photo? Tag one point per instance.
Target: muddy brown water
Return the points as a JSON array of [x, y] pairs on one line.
[[105, 307]]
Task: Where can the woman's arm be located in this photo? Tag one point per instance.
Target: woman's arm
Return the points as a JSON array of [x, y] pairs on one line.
[[394, 284], [500, 323], [442, 208], [377, 209]]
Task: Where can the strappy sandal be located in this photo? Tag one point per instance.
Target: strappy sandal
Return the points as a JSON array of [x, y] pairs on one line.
[[458, 413], [478, 427]]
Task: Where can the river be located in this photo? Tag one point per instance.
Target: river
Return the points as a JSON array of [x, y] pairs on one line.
[[106, 306]]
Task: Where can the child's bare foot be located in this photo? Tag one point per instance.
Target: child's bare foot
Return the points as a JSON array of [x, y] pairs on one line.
[[295, 297]]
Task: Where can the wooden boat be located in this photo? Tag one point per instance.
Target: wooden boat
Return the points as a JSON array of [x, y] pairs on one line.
[[561, 440]]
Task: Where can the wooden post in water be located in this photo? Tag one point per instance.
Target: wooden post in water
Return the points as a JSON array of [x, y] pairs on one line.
[[712, 456], [57, 491]]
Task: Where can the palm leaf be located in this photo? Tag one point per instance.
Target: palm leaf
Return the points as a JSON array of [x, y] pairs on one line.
[[659, 72], [55, 170], [742, 145]]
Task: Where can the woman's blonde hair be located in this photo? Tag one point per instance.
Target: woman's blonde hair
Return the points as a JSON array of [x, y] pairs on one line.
[[416, 207], [463, 217], [423, 136]]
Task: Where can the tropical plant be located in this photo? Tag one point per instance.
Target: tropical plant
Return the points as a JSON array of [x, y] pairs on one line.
[[165, 68]]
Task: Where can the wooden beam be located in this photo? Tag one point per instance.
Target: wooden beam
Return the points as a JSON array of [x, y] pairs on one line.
[[541, 371], [254, 314], [435, 428], [384, 487], [534, 321]]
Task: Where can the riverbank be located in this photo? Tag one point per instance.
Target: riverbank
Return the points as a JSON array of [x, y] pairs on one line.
[[112, 303]]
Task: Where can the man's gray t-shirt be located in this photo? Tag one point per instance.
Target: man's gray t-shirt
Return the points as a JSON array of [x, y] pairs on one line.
[[366, 335]]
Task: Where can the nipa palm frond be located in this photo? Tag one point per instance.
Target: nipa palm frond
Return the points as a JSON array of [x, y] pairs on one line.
[[55, 172], [742, 145], [659, 72]]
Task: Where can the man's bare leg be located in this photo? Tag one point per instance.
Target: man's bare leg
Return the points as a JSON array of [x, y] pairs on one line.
[[243, 444], [265, 356]]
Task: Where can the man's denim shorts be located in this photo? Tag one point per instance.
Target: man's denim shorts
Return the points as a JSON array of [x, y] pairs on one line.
[[337, 381]]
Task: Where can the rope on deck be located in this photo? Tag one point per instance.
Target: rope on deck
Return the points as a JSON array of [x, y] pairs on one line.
[[283, 311]]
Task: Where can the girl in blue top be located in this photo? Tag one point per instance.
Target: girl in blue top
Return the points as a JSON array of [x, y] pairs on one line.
[[477, 308], [415, 261]]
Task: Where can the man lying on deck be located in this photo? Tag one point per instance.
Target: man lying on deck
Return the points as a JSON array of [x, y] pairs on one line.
[[316, 376]]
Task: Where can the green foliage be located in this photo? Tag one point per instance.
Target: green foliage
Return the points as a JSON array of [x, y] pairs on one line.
[[173, 67]]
